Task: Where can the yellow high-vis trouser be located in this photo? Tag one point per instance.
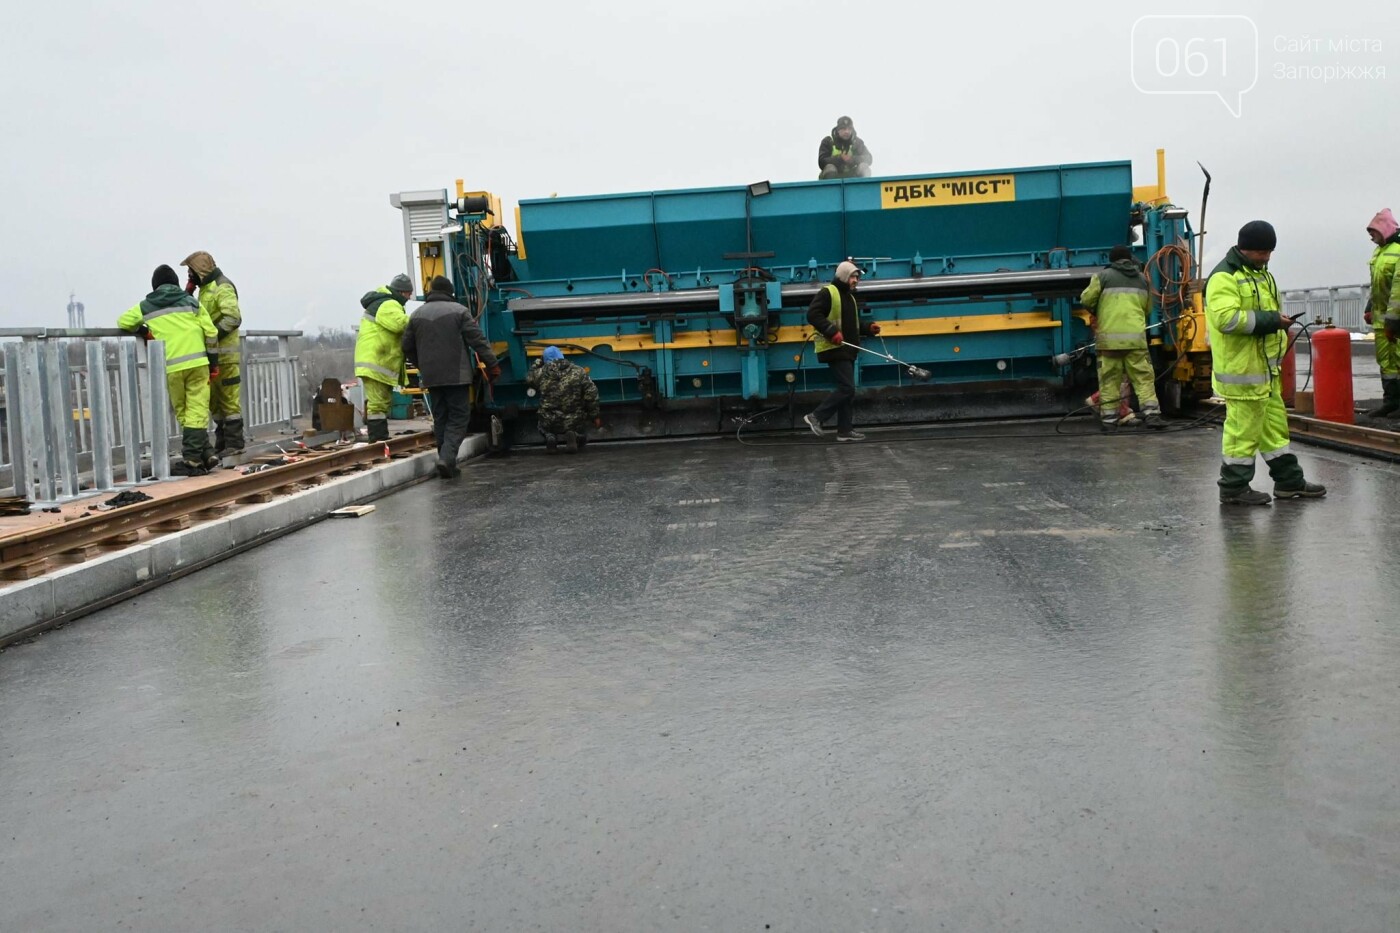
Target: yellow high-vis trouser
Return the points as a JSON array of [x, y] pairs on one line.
[[1137, 364], [189, 396]]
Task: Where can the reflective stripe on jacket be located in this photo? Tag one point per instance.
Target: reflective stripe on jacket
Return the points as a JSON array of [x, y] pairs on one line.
[[378, 349], [1385, 284], [179, 321], [1247, 332], [1119, 298]]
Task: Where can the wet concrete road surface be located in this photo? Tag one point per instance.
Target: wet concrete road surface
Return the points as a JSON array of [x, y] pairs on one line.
[[1038, 684]]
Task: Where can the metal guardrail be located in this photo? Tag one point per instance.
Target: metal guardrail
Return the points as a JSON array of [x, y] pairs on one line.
[[271, 390], [64, 434], [1344, 305]]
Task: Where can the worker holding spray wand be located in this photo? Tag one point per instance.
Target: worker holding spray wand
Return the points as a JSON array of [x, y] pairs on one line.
[[1119, 297], [836, 317]]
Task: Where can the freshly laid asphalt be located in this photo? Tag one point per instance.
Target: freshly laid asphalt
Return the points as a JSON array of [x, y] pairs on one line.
[[919, 683]]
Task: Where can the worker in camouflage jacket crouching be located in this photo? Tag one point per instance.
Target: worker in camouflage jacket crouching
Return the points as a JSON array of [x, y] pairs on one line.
[[568, 400]]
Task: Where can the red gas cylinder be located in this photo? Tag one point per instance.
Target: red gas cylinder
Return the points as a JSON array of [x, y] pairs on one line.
[[1288, 369], [1331, 362]]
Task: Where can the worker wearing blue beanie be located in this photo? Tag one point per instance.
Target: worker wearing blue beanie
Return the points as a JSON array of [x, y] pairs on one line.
[[568, 401]]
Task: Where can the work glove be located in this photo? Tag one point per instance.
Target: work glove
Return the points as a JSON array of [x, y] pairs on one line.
[[213, 373], [191, 283], [874, 330], [1367, 316], [213, 361], [493, 373], [1392, 328], [837, 339], [597, 422], [145, 333]]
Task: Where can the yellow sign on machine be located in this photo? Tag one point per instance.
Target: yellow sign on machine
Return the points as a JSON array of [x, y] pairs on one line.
[[945, 192]]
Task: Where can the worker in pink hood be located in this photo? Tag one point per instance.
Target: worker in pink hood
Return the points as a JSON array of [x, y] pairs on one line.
[[1383, 309]]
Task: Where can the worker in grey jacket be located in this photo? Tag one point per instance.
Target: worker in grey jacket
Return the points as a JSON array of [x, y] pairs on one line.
[[443, 341]]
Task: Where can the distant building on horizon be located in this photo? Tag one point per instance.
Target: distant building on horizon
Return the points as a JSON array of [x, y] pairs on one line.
[[76, 319]]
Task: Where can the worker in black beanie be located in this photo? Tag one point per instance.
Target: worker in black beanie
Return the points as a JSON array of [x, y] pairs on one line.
[[164, 275], [1248, 338], [169, 315], [1258, 236]]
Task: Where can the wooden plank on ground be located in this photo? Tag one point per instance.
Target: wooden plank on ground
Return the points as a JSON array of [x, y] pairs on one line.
[[352, 511], [79, 554], [25, 571], [177, 523], [125, 539]]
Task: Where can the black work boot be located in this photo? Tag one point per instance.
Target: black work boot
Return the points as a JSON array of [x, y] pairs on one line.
[[551, 443], [192, 443], [219, 445], [233, 436], [571, 442], [194, 448], [1391, 404], [1245, 496], [1234, 485], [1305, 491], [378, 430], [1108, 425], [1153, 420]]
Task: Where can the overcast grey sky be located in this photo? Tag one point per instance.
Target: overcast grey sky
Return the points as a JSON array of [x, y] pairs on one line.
[[272, 133]]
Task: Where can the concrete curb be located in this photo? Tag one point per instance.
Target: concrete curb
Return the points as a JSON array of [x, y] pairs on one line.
[[32, 606]]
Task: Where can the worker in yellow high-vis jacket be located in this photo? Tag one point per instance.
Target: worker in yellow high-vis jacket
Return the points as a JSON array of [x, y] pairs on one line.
[[171, 315], [219, 297], [1383, 309], [1248, 337], [1119, 298], [379, 351]]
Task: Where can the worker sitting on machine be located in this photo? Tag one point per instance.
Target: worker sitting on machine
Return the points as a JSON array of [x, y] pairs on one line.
[[843, 153], [1118, 296], [568, 401]]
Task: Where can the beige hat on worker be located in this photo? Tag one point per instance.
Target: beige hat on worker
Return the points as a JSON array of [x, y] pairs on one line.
[[846, 270], [201, 263]]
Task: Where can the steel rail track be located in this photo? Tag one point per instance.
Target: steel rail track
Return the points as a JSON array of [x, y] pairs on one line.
[[1352, 438], [41, 543]]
